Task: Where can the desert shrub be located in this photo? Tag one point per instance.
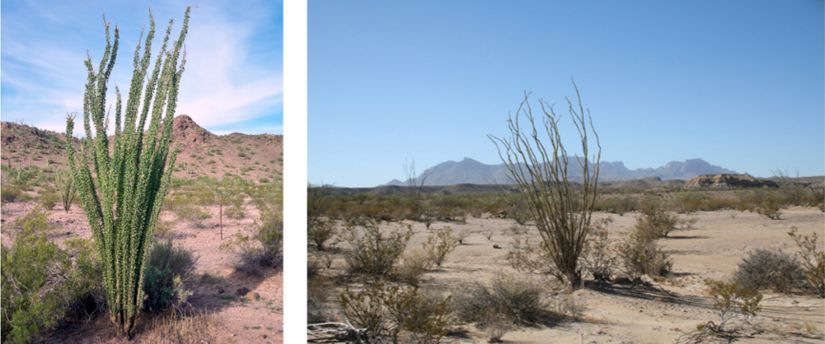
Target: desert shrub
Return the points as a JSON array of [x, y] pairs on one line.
[[12, 193], [411, 266], [235, 212], [320, 232], [812, 259], [43, 285], [519, 302], [461, 236], [599, 258], [168, 267], [262, 248], [640, 254], [654, 221], [48, 200], [35, 221], [163, 230], [31, 300], [66, 186], [86, 294], [762, 202], [768, 269], [439, 244], [619, 204], [386, 312], [528, 256], [373, 252], [731, 299], [192, 214]]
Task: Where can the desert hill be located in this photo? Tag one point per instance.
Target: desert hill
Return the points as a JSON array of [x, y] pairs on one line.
[[201, 153]]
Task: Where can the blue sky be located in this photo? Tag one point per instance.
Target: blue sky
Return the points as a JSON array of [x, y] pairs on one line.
[[737, 83], [233, 73]]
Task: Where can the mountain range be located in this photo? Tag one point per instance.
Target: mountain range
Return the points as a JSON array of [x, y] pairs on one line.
[[469, 171]]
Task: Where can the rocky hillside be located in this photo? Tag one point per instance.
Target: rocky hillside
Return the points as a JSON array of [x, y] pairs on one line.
[[729, 181], [469, 171], [202, 153]]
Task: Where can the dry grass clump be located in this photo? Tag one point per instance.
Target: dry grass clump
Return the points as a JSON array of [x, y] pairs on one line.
[[177, 329], [730, 299], [412, 265]]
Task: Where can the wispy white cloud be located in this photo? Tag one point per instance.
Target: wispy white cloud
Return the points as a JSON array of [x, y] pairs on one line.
[[226, 82]]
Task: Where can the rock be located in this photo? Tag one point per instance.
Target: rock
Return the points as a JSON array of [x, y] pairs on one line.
[[220, 291], [728, 181], [242, 291], [496, 246]]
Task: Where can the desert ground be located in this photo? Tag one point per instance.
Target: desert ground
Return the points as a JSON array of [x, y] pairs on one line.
[[236, 307], [660, 310]]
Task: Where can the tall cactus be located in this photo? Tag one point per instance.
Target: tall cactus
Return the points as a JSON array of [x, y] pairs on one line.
[[122, 186]]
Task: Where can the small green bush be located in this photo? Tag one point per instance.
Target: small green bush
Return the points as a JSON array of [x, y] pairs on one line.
[[654, 221], [12, 194], [48, 200], [34, 221], [43, 285], [262, 248], [167, 269]]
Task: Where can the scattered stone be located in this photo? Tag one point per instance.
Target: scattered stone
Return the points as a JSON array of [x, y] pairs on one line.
[[220, 290], [496, 246]]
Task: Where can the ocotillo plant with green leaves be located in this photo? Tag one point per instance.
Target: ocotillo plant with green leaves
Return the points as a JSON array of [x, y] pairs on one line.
[[66, 186], [122, 186]]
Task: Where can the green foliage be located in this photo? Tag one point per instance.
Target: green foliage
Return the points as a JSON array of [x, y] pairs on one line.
[[262, 248], [12, 193], [812, 259], [167, 269], [34, 221], [48, 200], [439, 244], [66, 187], [42, 284], [372, 252], [122, 185], [730, 299], [393, 313]]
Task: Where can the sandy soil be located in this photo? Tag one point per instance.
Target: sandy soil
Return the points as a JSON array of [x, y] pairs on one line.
[[253, 317], [662, 312]]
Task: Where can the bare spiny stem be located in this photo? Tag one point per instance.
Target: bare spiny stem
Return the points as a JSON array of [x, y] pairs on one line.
[[538, 163]]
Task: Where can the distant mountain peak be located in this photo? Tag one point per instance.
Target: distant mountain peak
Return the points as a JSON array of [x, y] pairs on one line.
[[471, 171]]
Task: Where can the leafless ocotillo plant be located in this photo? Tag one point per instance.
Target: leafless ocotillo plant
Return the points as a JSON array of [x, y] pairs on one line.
[[538, 162]]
